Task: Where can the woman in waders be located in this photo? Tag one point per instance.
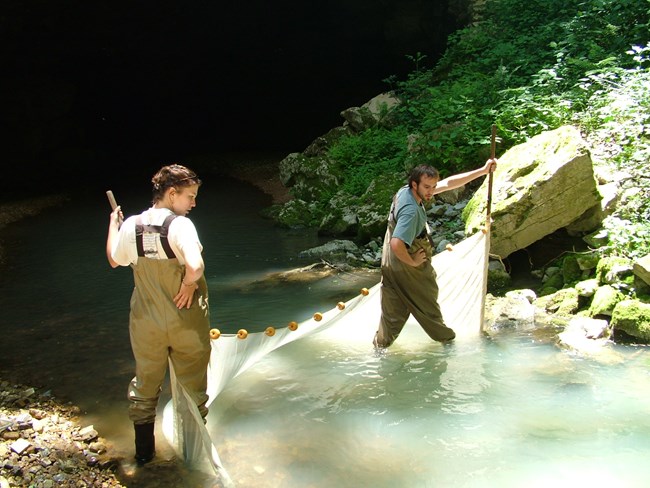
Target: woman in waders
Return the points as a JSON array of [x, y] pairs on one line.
[[169, 319]]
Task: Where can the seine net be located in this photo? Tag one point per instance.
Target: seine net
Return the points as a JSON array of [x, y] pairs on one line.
[[462, 279]]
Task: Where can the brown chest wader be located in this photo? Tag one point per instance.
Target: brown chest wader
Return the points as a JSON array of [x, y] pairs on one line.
[[161, 333], [406, 290]]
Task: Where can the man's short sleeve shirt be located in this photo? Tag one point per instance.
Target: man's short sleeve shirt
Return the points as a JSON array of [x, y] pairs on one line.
[[410, 216]]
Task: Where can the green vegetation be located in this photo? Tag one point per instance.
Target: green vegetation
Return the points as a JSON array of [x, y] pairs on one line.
[[527, 66], [374, 151]]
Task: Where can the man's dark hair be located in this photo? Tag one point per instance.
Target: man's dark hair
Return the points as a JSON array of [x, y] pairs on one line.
[[422, 170]]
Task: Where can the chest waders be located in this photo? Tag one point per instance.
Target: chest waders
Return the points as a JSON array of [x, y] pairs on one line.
[[161, 333], [406, 290]]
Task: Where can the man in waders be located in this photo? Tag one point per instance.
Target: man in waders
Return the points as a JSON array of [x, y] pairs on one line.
[[169, 319], [408, 284]]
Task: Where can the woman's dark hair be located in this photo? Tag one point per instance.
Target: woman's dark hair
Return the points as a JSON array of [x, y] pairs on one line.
[[172, 176], [422, 170]]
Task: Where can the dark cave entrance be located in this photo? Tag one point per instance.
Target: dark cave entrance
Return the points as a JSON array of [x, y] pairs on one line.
[[539, 255]]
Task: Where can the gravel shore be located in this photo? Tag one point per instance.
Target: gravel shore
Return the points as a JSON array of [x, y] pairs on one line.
[[43, 443]]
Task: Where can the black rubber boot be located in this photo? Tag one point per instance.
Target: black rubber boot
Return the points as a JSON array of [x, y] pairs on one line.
[[145, 443]]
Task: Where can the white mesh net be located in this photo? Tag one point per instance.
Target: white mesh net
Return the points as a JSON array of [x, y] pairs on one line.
[[462, 280]]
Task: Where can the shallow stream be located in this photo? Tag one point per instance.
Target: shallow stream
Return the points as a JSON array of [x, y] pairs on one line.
[[509, 411]]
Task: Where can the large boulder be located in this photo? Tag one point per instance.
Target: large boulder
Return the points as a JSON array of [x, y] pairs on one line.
[[539, 187], [374, 112], [308, 178]]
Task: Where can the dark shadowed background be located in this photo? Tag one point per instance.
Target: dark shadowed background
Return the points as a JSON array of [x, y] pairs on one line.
[[90, 87]]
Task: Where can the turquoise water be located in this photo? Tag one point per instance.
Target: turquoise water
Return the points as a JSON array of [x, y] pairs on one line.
[[508, 412], [324, 411]]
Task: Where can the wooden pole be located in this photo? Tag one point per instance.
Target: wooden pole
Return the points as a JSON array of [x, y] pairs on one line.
[[113, 202], [488, 222], [493, 148], [111, 199]]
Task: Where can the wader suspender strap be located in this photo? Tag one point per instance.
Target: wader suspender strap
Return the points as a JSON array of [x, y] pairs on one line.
[[427, 231], [163, 230], [391, 213]]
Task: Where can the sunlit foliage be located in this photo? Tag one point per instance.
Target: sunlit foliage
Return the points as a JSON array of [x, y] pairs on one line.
[[527, 66]]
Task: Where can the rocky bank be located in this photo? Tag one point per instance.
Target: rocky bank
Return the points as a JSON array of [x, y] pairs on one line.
[[44, 444]]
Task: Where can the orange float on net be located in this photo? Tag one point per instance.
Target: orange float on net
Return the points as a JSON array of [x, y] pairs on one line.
[[340, 305], [484, 230], [364, 292], [215, 333], [449, 247], [242, 333], [318, 316], [292, 325], [270, 331]]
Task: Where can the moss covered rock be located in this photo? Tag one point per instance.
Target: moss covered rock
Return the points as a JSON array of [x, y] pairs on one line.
[[611, 269], [298, 213], [633, 318], [308, 178], [587, 288], [604, 301], [498, 280], [555, 281], [563, 302], [571, 271], [587, 262]]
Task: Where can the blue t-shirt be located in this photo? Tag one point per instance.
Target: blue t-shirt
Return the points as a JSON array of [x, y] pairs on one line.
[[410, 216]]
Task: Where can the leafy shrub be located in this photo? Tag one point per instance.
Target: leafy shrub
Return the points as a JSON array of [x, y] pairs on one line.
[[527, 66], [362, 157]]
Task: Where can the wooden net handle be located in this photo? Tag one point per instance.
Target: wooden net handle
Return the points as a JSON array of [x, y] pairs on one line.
[[493, 147], [111, 199]]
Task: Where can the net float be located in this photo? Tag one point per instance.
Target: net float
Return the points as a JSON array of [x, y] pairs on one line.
[[242, 333], [293, 325], [215, 333], [270, 331], [318, 316], [364, 292], [449, 247], [340, 305]]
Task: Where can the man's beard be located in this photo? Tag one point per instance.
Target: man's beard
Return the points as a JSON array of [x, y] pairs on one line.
[[422, 197]]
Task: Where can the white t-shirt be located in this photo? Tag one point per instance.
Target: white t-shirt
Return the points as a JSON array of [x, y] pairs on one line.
[[182, 234]]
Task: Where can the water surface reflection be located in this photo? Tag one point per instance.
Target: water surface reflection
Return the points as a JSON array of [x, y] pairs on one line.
[[324, 411]]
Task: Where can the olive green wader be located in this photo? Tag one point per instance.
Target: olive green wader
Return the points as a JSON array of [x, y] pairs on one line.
[[407, 290], [161, 332]]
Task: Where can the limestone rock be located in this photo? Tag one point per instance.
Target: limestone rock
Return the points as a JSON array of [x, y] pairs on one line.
[[321, 144], [612, 269], [587, 288], [370, 113], [332, 249], [604, 301], [539, 187], [641, 268], [585, 335], [564, 302], [514, 311], [633, 318], [308, 178]]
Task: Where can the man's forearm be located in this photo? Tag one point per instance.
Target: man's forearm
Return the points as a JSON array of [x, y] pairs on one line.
[[399, 249], [461, 179]]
